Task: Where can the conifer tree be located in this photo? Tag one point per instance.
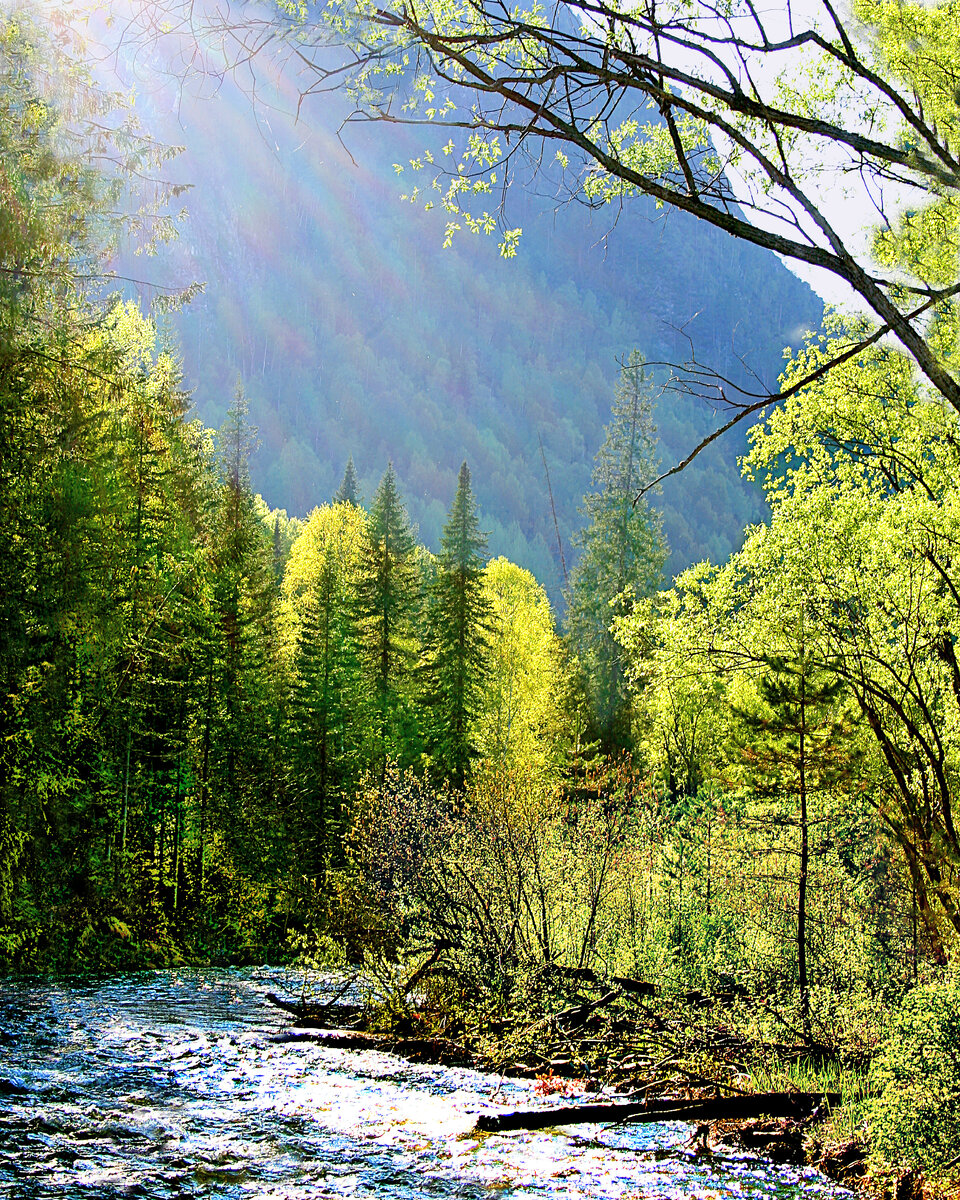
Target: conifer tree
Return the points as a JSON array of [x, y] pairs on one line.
[[66, 571], [326, 718], [349, 490], [147, 609], [792, 744], [457, 639], [238, 724], [621, 547], [387, 594], [277, 550]]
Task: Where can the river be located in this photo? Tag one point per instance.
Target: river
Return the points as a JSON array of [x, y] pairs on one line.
[[169, 1084]]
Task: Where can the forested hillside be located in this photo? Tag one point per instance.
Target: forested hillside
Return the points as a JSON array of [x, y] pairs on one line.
[[357, 333]]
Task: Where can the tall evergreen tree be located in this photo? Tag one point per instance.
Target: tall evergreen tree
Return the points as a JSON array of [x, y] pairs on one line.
[[156, 499], [622, 546], [349, 490], [387, 594], [59, 492], [239, 739], [457, 638]]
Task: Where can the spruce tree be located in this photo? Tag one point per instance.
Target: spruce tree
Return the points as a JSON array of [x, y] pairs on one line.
[[387, 595], [349, 490], [621, 547], [319, 728], [326, 718], [238, 768], [93, 519], [457, 639]]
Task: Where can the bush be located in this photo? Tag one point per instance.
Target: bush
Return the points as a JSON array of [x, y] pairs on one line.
[[914, 1117]]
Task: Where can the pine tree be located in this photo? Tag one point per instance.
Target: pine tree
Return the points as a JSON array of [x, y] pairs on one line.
[[621, 547], [457, 639], [349, 490], [388, 591], [793, 744]]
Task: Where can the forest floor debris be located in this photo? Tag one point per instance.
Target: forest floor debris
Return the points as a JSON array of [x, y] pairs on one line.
[[686, 1057]]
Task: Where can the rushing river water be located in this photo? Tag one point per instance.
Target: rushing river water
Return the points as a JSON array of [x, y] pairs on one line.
[[169, 1084]]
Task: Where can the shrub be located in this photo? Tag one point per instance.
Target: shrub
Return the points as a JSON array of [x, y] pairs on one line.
[[914, 1117]]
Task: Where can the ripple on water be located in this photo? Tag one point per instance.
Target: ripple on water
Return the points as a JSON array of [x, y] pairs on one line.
[[167, 1085]]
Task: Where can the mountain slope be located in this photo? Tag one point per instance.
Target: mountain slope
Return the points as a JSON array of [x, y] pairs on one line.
[[355, 332]]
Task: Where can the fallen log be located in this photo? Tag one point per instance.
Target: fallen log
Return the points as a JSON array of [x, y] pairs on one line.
[[330, 1015], [427, 1050], [570, 1018], [342, 1039], [289, 1006], [584, 975], [639, 987], [799, 1105]]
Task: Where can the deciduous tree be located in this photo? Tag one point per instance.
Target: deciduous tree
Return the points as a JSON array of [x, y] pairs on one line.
[[521, 726], [747, 120]]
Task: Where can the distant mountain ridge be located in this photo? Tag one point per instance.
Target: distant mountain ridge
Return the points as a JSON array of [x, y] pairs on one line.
[[355, 332]]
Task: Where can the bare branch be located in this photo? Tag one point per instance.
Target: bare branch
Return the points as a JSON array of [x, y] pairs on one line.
[[747, 410]]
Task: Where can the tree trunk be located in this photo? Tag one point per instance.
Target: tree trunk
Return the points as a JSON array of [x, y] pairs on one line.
[[798, 1105]]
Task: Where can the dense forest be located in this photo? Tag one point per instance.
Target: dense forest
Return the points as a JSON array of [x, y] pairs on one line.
[[227, 735]]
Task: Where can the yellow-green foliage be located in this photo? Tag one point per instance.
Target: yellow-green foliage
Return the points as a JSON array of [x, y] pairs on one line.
[[521, 723], [327, 549], [914, 1116]]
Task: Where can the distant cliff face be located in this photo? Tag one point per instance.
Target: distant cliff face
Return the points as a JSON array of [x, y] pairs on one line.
[[355, 332]]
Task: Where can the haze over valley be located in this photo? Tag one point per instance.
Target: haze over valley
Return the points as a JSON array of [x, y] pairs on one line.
[[355, 332]]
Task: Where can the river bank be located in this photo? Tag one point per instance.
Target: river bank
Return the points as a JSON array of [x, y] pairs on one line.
[[182, 1083], [726, 1064]]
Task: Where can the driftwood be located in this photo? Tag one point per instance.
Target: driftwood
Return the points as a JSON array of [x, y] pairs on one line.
[[639, 987], [330, 1015], [342, 1039], [584, 975], [799, 1105], [289, 1006], [426, 1050], [570, 1018]]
